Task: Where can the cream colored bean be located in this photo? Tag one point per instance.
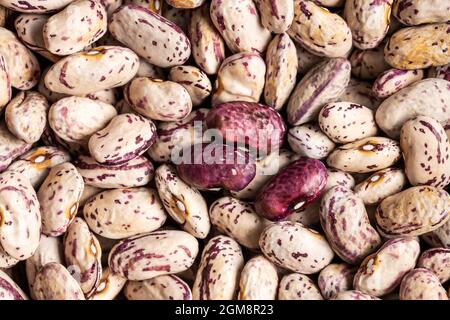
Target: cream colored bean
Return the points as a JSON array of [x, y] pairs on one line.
[[368, 64], [194, 81], [11, 147], [339, 178], [309, 141], [259, 280], [336, 278], [353, 295], [393, 80], [438, 261], [296, 286], [109, 286], [422, 284], [415, 12], [276, 16], [35, 6], [360, 92], [9, 289], [166, 287], [5, 83]]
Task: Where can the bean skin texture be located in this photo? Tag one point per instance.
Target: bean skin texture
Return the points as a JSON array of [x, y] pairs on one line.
[[336, 278], [422, 284]]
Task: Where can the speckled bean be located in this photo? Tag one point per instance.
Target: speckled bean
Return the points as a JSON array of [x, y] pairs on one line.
[[241, 77], [336, 278], [23, 67], [153, 37], [419, 47], [75, 119], [320, 31], [175, 136], [159, 100], [5, 84], [218, 274], [296, 286], [321, 85], [82, 254], [381, 272], [393, 80], [360, 92], [238, 220], [9, 290], [180, 17], [339, 178], [439, 237], [380, 185], [240, 26], [54, 282], [195, 81], [413, 212], [184, 204], [259, 280], [165, 287], [26, 116], [415, 12], [276, 16], [365, 155], [282, 65], [425, 148], [368, 20], [429, 97], [208, 48], [346, 224], [303, 250], [422, 284], [109, 286], [438, 261], [36, 164], [126, 137], [94, 70], [6, 261], [345, 122], [305, 59], [368, 64], [20, 219], [155, 6], [309, 141], [153, 254], [35, 6], [353, 295], [58, 196], [134, 173], [11, 147], [122, 213]]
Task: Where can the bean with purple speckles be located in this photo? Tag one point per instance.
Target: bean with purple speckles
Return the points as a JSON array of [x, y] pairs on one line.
[[393, 80], [422, 284], [195, 81], [109, 286], [259, 280], [165, 287], [438, 261], [276, 16], [353, 295], [368, 64], [9, 290], [35, 6], [336, 278], [296, 286], [415, 12], [309, 141]]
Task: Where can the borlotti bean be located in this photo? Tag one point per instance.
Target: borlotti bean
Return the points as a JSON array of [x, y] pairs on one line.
[[368, 20], [122, 213], [94, 70], [134, 173], [296, 286], [380, 185], [195, 81], [23, 67], [320, 31], [54, 282], [381, 272], [309, 141], [419, 47], [20, 217], [240, 25], [126, 137], [322, 84], [345, 122], [75, 119], [11, 147], [425, 148], [165, 287], [346, 225], [5, 83], [184, 204], [241, 77], [9, 290], [82, 254], [175, 136], [50, 249], [259, 280], [35, 6], [266, 168], [29, 28], [282, 65], [153, 254], [6, 261], [26, 116], [153, 37], [58, 196], [158, 100], [303, 250], [413, 212], [336, 278], [422, 284], [439, 237], [109, 286], [360, 92], [368, 64], [220, 267], [61, 38], [276, 16], [208, 48], [429, 97], [393, 80], [305, 59], [365, 155], [415, 12], [339, 178], [438, 261], [353, 295], [238, 220]]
